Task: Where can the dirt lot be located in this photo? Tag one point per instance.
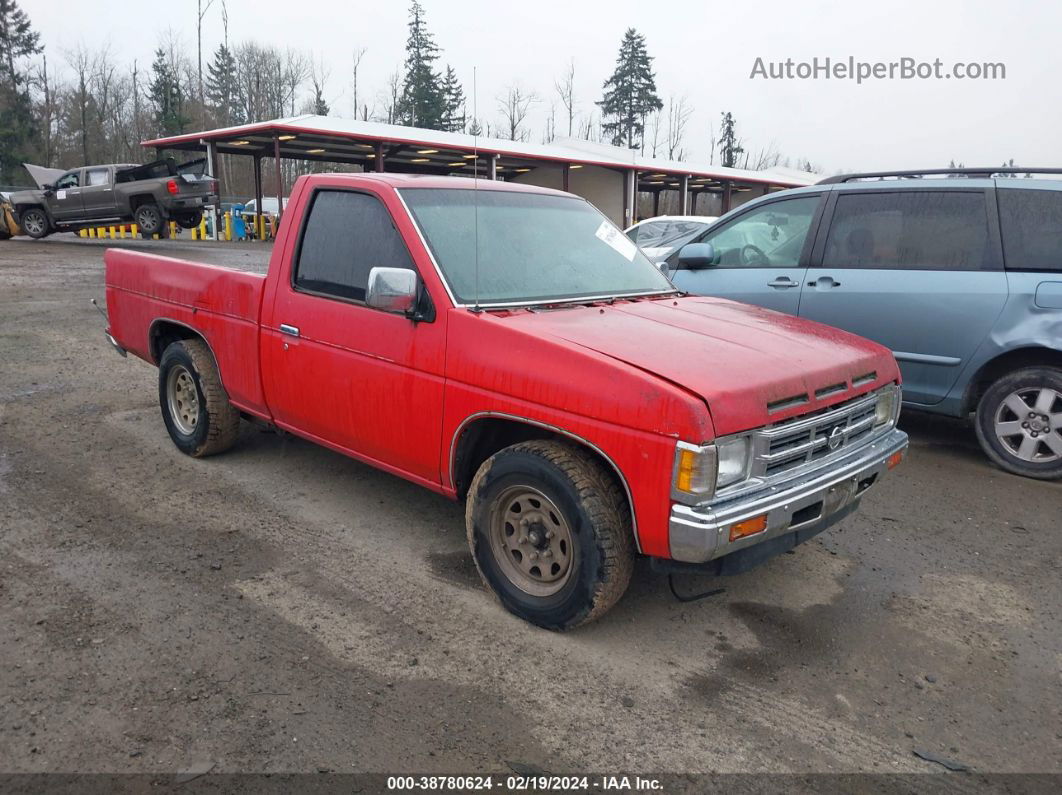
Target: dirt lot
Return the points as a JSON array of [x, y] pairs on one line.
[[282, 608]]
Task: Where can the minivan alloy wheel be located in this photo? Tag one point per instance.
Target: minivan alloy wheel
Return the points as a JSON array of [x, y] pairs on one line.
[[1028, 423]]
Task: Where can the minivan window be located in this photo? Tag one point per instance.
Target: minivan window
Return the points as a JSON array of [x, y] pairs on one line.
[[1032, 228], [909, 230], [345, 236], [769, 236]]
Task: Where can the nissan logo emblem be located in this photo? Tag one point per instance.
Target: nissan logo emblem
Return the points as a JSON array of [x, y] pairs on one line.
[[833, 441]]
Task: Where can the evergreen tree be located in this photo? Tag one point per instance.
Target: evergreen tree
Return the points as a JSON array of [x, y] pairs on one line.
[[630, 94], [319, 107], [453, 118], [730, 147], [166, 96], [475, 128], [17, 129], [422, 103], [223, 87]]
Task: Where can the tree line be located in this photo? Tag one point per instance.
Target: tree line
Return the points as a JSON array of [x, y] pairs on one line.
[[84, 106]]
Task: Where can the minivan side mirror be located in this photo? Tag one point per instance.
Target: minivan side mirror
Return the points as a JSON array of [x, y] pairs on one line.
[[392, 290], [697, 255]]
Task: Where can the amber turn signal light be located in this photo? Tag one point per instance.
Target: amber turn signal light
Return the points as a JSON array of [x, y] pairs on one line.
[[894, 460], [749, 527]]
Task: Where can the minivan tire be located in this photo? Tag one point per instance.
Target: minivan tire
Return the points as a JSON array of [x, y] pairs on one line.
[[195, 407], [1019, 422], [574, 530]]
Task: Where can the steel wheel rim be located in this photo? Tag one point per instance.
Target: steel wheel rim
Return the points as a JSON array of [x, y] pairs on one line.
[[34, 224], [1028, 423], [531, 541], [182, 398]]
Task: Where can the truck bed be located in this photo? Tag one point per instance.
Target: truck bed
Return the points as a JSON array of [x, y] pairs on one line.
[[145, 291]]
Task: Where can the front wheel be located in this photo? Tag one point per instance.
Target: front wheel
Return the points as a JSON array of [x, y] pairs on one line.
[[149, 218], [1019, 422], [550, 532], [195, 407], [35, 223]]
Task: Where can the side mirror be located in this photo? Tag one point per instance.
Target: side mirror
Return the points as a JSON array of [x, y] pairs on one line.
[[392, 290], [697, 255], [48, 187]]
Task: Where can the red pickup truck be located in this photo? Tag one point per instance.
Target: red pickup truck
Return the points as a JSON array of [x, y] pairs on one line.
[[507, 345]]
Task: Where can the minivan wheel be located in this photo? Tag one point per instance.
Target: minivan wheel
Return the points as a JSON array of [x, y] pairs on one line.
[[1019, 422], [550, 532], [195, 408], [34, 222]]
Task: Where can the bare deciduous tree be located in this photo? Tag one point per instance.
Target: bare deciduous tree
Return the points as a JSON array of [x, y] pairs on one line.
[[678, 116], [514, 106], [359, 53], [565, 88]]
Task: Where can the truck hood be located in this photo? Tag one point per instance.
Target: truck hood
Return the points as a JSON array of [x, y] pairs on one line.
[[751, 366]]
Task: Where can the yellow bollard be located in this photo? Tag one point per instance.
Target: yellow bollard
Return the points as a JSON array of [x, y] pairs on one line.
[[92, 232], [228, 226], [133, 231], [195, 233], [173, 229], [110, 230], [82, 233], [203, 229]]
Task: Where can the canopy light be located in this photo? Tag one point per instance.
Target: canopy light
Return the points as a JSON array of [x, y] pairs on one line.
[[420, 160], [459, 163], [469, 157], [240, 143], [285, 137], [521, 170], [427, 151], [574, 165], [366, 146], [314, 151]]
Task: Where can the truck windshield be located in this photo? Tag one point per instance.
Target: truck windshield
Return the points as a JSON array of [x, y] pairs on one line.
[[532, 247]]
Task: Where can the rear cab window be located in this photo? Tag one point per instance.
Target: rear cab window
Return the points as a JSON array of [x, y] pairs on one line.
[[95, 177], [345, 235], [910, 230], [1031, 220]]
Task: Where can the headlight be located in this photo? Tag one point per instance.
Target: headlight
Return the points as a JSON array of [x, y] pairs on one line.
[[700, 470], [695, 469], [887, 407], [733, 455]]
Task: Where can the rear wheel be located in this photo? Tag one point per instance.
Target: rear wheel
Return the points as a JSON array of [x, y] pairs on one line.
[[195, 408], [149, 219], [189, 220], [1019, 422], [551, 533], [34, 222]]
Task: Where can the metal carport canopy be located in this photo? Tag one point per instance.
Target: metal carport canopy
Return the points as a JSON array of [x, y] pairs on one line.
[[390, 147]]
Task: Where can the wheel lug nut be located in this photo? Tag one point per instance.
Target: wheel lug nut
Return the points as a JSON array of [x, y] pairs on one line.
[[534, 556], [523, 539], [548, 553], [549, 534], [1025, 425]]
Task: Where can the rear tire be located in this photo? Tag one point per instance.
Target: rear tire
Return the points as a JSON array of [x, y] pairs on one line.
[[35, 223], [195, 407], [149, 219], [550, 531], [189, 220], [1019, 422]]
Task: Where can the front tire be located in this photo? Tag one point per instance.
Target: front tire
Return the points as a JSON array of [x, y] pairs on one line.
[[550, 532], [195, 407], [149, 219], [35, 223], [1019, 422]]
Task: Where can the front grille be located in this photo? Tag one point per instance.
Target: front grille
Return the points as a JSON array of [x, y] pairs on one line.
[[812, 438]]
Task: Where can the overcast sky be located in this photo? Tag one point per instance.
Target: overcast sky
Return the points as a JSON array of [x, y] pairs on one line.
[[703, 49]]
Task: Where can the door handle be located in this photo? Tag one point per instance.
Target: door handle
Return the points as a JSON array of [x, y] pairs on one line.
[[824, 281], [286, 329], [782, 281]]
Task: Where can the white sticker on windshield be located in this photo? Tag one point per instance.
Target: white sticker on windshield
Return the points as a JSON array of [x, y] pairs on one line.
[[619, 241]]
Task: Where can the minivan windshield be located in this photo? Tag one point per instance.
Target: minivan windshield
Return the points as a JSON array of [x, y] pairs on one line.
[[509, 247]]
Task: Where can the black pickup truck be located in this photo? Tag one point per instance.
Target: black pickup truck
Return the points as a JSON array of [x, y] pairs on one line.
[[148, 195]]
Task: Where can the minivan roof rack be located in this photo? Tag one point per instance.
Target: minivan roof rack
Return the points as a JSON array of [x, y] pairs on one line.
[[955, 172]]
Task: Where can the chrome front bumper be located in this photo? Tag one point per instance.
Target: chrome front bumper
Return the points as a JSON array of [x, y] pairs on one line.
[[701, 533]]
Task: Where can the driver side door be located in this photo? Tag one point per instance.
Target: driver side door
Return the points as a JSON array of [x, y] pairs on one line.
[[65, 202], [760, 256]]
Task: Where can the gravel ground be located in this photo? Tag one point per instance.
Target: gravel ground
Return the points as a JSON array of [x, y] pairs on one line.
[[282, 608]]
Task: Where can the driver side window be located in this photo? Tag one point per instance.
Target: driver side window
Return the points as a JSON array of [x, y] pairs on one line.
[[771, 236], [68, 180]]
